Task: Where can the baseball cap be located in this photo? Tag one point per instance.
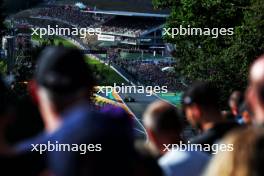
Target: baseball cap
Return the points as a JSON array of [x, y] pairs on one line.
[[63, 70], [201, 93]]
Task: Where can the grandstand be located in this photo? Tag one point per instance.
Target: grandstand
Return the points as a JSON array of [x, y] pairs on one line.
[[135, 29], [130, 38], [121, 29]]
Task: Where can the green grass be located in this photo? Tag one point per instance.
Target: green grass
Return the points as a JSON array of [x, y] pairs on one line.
[[57, 41], [109, 76], [65, 42], [174, 98], [3, 66]]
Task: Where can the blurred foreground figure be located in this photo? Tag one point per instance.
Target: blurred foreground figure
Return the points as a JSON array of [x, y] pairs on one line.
[[236, 99], [164, 127], [255, 91], [11, 163], [239, 109], [4, 118], [79, 140], [247, 156], [62, 81], [201, 105]]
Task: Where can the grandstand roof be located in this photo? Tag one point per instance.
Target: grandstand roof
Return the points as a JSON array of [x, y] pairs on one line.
[[123, 13]]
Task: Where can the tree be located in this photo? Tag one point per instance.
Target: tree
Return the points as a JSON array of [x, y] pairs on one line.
[[223, 60], [2, 28], [1, 18], [17, 5]]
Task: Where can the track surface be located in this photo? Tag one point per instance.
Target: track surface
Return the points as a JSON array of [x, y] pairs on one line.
[[138, 107]]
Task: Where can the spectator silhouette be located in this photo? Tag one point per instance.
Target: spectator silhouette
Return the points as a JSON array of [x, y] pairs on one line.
[[164, 128], [201, 106], [246, 157], [255, 90]]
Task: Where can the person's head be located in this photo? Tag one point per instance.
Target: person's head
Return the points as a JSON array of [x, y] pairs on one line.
[[163, 124], [235, 101], [201, 104], [255, 90], [62, 79], [246, 157]]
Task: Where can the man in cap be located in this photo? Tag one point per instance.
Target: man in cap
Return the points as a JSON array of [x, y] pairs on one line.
[[201, 106], [63, 88]]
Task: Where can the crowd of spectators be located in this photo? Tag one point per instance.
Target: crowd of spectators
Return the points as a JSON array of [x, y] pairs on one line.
[[71, 15], [131, 26], [79, 139], [151, 73]]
